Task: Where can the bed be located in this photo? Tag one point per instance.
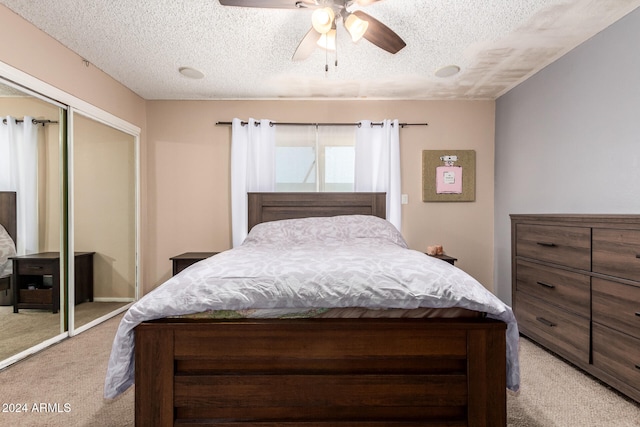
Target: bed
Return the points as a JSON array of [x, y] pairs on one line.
[[308, 370], [8, 227]]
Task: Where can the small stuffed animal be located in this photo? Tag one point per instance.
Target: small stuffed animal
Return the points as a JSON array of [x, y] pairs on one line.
[[435, 250]]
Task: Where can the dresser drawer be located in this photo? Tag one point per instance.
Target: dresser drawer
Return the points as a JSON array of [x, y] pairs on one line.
[[565, 333], [566, 289], [617, 354], [617, 306], [36, 267], [617, 253], [36, 296], [568, 246]]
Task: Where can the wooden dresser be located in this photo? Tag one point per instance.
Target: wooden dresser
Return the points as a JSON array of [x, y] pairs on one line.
[[576, 291]]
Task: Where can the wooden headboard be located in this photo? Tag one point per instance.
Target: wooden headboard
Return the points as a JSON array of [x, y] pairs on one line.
[[8, 216], [264, 207]]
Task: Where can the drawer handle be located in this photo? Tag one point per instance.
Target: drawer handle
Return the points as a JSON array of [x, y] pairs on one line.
[[546, 244], [34, 267], [637, 255], [637, 366], [638, 313], [546, 285], [545, 322]]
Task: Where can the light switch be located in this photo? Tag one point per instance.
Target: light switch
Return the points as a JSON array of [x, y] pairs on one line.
[[405, 199]]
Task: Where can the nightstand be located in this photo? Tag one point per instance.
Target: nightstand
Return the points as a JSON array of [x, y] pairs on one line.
[[182, 261], [33, 291], [451, 260]]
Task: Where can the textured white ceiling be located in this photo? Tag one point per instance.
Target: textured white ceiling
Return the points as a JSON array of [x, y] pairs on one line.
[[245, 53]]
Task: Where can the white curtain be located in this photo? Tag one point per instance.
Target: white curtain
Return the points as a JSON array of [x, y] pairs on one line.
[[377, 164], [19, 173], [253, 148]]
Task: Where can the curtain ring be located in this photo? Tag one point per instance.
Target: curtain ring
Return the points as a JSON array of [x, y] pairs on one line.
[[271, 124]]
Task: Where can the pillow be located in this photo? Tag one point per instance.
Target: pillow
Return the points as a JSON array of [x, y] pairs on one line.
[[7, 250], [324, 229]]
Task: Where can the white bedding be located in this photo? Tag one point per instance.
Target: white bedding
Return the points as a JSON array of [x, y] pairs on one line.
[[343, 261], [7, 250]]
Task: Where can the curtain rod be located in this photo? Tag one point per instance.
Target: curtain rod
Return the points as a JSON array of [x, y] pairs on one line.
[[257, 123], [34, 121]]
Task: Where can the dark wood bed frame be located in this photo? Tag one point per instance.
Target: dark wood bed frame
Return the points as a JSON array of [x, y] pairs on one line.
[[320, 372], [8, 218]]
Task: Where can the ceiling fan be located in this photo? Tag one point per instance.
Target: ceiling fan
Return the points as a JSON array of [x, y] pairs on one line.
[[323, 29]]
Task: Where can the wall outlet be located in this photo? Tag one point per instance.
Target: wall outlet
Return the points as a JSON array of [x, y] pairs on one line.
[[405, 199]]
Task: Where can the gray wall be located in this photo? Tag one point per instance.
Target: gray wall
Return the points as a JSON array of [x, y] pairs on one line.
[[568, 138]]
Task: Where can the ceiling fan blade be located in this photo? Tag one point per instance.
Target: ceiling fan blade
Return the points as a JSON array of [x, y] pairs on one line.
[[381, 35], [307, 45], [270, 4]]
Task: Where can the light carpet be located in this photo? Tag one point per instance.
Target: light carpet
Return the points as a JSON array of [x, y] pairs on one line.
[[62, 386], [554, 393]]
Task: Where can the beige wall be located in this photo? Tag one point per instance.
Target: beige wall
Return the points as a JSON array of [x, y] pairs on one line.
[[188, 188]]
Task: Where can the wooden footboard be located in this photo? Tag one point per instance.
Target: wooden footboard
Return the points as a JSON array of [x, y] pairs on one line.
[[321, 372]]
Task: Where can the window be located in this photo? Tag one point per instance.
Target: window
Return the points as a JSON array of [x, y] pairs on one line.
[[315, 158]]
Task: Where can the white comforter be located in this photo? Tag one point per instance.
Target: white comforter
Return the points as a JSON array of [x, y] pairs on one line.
[[7, 250], [343, 261]]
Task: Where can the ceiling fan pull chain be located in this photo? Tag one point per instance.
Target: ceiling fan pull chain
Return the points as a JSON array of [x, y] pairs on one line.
[[336, 62], [326, 63]]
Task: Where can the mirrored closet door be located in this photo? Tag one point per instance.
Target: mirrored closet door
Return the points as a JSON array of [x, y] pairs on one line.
[[104, 219], [31, 279], [69, 235]]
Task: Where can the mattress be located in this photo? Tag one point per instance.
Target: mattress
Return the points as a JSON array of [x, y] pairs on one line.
[[336, 313]]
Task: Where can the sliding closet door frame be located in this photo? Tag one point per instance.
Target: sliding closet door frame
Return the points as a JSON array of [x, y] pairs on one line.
[[73, 112], [78, 106], [63, 313]]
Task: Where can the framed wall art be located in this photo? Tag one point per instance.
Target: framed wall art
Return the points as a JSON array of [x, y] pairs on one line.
[[448, 175]]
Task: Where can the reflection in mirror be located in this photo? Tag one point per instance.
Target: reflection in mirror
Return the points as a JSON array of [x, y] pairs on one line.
[[30, 177], [104, 218]]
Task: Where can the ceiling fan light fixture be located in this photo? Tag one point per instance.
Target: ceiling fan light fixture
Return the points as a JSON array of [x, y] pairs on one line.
[[322, 19], [355, 26], [328, 41]]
